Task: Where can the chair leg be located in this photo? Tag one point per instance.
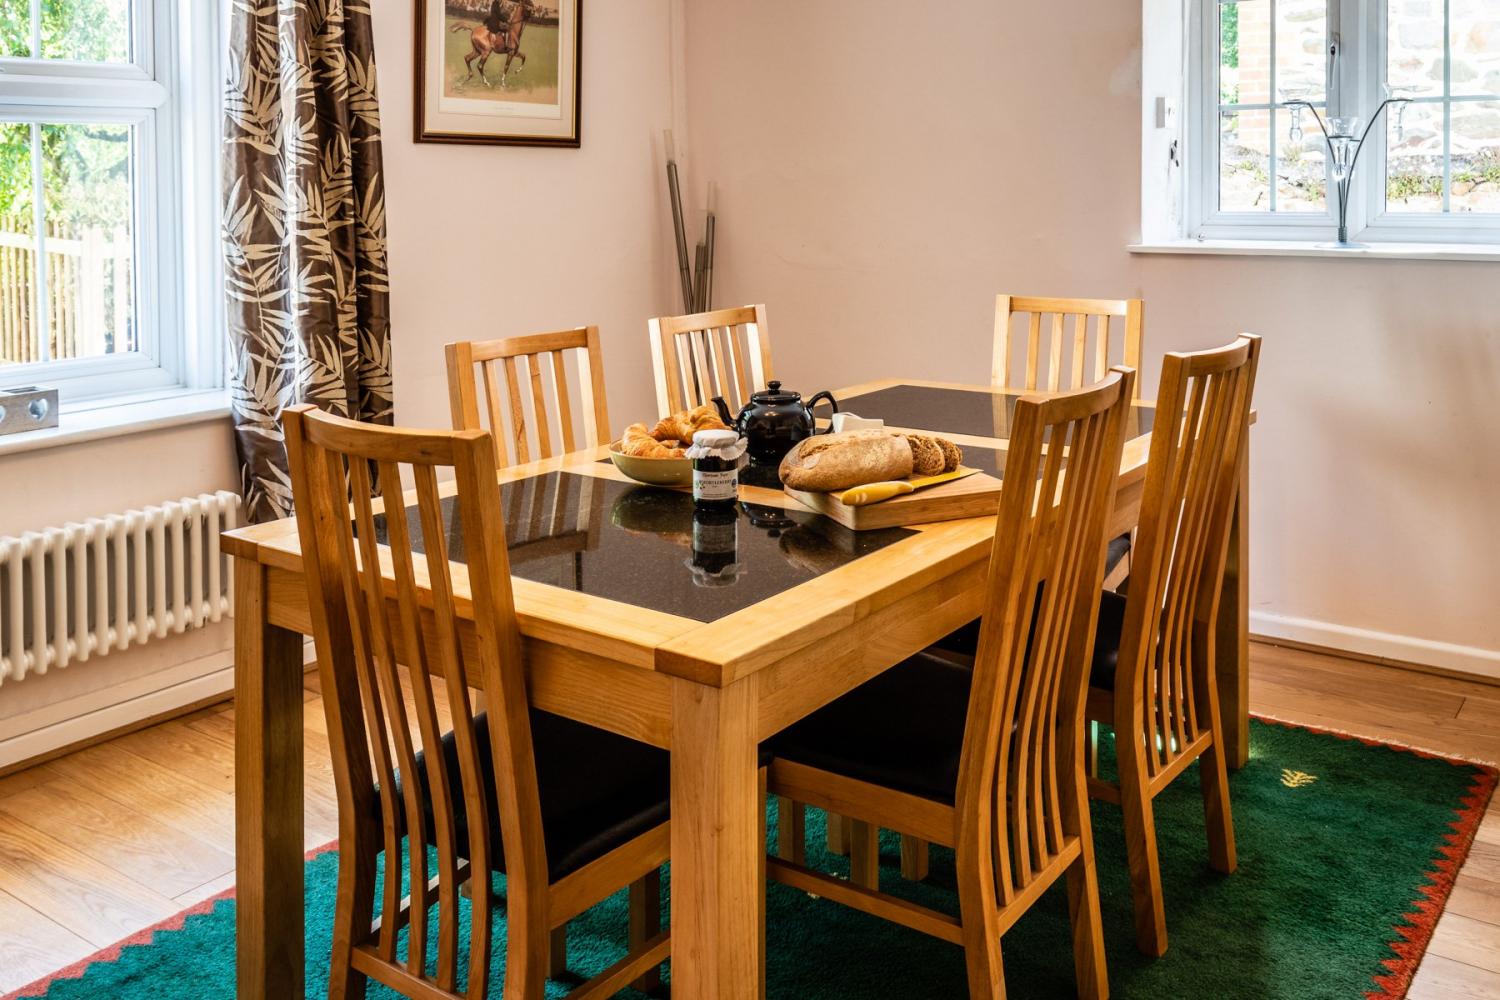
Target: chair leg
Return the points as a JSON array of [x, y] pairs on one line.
[[1213, 775], [791, 830], [981, 930], [557, 952], [1088, 927], [355, 896], [838, 834], [1145, 866], [645, 922], [864, 853], [914, 858]]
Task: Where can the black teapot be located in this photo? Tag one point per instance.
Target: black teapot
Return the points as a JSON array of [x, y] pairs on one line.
[[774, 420]]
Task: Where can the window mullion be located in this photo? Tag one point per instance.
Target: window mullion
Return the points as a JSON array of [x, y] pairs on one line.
[[1447, 105], [40, 313], [36, 29], [1271, 114]]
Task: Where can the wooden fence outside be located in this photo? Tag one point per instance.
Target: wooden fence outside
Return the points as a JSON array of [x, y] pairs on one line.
[[89, 292]]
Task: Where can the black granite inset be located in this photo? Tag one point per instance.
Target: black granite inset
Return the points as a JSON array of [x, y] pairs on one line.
[[954, 411], [644, 546]]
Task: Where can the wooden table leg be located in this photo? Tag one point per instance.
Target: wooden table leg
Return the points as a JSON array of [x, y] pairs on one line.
[[716, 843], [267, 796], [1232, 661]]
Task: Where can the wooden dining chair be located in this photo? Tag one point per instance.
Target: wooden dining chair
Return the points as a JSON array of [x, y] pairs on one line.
[[1074, 360], [989, 760], [1152, 672], [567, 812], [537, 396], [725, 353]]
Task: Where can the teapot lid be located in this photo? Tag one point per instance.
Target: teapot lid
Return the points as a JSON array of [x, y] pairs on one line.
[[773, 395]]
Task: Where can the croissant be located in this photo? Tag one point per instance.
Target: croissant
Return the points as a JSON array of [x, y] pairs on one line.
[[682, 426], [638, 443]]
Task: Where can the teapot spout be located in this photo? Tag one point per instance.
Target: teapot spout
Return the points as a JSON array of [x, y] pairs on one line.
[[723, 409]]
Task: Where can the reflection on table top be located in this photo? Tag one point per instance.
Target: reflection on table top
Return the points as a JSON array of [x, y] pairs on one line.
[[648, 547]]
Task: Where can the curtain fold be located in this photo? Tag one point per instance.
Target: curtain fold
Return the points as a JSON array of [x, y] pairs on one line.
[[304, 229]]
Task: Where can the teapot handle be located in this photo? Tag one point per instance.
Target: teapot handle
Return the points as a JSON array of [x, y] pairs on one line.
[[825, 394]]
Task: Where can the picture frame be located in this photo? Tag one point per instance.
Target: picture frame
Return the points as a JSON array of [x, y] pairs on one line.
[[498, 72]]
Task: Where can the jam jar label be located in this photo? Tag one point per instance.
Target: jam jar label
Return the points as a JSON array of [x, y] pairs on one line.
[[715, 485]]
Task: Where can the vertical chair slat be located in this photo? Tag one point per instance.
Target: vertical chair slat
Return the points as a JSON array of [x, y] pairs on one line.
[[497, 422], [445, 624], [368, 614], [566, 441], [1055, 357], [1033, 348], [415, 653], [539, 407], [518, 432]]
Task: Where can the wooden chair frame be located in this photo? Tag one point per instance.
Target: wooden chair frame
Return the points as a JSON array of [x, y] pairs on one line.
[[697, 357], [367, 620], [1060, 310], [1020, 820], [1165, 703], [472, 360]]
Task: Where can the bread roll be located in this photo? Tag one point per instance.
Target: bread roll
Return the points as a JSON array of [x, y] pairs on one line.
[[827, 462]]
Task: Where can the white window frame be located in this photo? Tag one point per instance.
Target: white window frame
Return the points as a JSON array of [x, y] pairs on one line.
[[169, 94], [1356, 81]]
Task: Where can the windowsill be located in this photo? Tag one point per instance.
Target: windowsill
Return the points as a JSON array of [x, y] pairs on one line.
[[94, 420], [1298, 248]]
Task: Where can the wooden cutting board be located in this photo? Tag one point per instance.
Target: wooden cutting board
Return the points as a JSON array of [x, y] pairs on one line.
[[975, 496]]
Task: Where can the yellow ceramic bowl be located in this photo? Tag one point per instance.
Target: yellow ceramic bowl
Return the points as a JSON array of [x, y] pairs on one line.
[[654, 471]]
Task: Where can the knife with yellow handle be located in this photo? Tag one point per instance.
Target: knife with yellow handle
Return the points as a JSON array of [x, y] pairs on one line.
[[861, 496]]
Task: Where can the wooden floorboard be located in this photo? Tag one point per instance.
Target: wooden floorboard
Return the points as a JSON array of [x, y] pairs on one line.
[[108, 840]]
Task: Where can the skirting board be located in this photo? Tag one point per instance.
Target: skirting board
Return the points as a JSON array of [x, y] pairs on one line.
[[211, 676], [1385, 645]]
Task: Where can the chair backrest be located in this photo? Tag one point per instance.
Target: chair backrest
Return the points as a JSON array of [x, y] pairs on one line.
[[1056, 359], [725, 353], [364, 581], [1020, 789], [532, 398], [1167, 641]]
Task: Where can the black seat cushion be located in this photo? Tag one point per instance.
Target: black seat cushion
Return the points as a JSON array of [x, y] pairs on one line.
[[598, 790], [964, 640], [903, 729], [1107, 640]]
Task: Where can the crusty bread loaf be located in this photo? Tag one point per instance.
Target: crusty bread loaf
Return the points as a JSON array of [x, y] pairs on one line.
[[827, 462]]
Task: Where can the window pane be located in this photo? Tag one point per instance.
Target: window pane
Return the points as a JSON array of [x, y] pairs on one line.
[[1245, 161], [1245, 52], [15, 29], [86, 30], [1414, 47], [1301, 174], [86, 169], [1476, 156], [1414, 176], [1302, 50], [17, 247], [1474, 28]]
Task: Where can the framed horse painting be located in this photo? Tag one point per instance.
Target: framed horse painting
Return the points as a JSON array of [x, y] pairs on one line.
[[504, 72]]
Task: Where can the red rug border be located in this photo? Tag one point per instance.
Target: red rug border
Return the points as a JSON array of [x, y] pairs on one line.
[[1409, 943], [112, 953], [1410, 940]]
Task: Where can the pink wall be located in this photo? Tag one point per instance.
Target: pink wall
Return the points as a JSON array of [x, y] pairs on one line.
[[883, 173], [494, 241]]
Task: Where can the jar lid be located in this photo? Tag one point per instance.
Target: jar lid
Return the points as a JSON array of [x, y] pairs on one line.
[[715, 439]]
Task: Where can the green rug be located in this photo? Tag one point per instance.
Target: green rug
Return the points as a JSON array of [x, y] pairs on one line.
[[1347, 853]]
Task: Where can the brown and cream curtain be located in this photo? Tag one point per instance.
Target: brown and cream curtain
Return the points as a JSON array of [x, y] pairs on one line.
[[304, 228]]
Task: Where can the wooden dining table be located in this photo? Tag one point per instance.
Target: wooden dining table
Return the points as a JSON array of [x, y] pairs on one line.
[[634, 623]]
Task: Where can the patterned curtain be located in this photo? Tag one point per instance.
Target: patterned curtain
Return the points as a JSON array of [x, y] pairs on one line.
[[304, 228]]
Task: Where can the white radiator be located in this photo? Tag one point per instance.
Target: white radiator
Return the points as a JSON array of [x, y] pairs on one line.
[[87, 589]]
